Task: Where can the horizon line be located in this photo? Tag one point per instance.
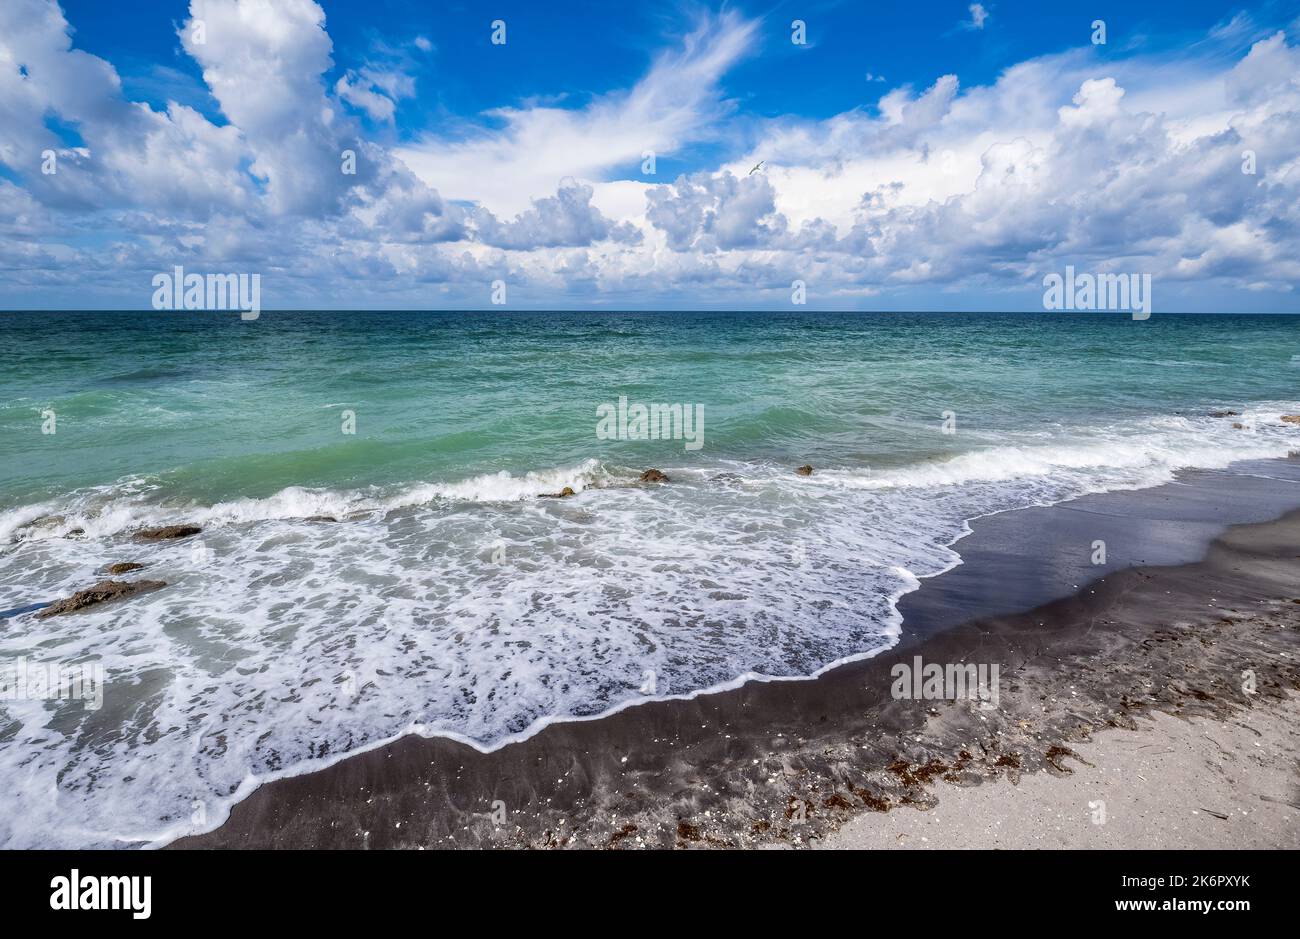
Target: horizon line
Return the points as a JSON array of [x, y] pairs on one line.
[[645, 310]]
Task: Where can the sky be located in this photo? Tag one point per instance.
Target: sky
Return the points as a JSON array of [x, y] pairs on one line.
[[400, 154]]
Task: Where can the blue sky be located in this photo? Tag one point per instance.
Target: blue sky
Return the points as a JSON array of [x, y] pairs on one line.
[[924, 155]]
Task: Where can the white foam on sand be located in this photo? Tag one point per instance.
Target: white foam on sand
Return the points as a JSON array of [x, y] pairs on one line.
[[476, 610]]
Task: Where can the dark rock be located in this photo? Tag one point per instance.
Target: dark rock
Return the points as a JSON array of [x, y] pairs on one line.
[[167, 532], [320, 518], [75, 532], [125, 567], [102, 592], [1224, 414], [1236, 426], [804, 470], [654, 476], [563, 493]]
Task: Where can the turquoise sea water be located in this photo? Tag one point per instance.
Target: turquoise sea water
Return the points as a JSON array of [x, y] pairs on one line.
[[451, 597], [210, 408]]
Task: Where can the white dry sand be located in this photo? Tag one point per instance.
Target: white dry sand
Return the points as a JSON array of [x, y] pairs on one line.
[[1163, 786]]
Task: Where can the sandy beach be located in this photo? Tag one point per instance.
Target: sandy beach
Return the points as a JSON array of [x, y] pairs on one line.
[[1169, 783], [1165, 690]]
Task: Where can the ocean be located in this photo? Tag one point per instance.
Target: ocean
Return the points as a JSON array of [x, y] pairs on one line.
[[451, 595]]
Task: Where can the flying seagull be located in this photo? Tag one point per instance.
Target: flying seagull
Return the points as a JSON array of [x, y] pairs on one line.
[[757, 166]]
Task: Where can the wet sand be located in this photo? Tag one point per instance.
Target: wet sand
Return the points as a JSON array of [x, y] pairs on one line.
[[1102, 647]]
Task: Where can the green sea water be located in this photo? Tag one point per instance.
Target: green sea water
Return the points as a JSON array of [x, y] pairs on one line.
[[211, 408]]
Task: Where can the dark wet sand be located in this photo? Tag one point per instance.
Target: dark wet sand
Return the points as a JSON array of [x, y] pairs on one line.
[[786, 763]]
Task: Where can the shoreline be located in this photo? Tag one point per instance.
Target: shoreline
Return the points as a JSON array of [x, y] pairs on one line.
[[733, 767]]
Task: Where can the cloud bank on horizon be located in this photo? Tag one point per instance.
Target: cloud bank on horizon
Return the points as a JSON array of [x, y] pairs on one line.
[[681, 187]]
